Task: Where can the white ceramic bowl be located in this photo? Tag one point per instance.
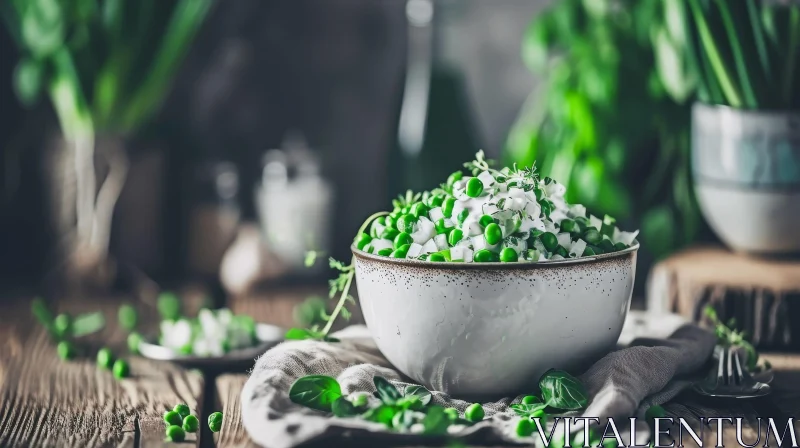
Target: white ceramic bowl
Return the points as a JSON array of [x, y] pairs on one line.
[[490, 329]]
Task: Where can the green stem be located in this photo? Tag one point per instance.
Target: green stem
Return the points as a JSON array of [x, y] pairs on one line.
[[738, 55], [350, 275], [342, 300], [714, 56]]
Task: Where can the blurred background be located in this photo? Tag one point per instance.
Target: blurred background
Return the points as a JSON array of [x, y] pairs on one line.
[[185, 139]]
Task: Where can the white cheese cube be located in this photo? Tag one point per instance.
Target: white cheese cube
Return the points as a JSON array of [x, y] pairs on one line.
[[441, 241], [380, 244], [429, 247], [577, 248], [414, 250], [564, 240], [436, 214], [595, 222], [486, 178]]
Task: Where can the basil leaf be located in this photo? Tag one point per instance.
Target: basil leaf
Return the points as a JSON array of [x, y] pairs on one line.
[[386, 390], [526, 410], [43, 315], [342, 407], [420, 392], [562, 390], [382, 414], [301, 333], [411, 402], [316, 392], [436, 421]]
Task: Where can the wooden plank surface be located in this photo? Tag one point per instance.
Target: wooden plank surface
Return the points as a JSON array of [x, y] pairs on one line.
[[48, 402], [232, 434]]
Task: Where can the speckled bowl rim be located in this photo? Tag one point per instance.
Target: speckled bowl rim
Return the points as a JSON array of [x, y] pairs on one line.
[[495, 266]]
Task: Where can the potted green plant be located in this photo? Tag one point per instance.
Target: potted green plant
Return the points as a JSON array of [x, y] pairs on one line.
[[742, 60], [603, 122], [106, 66]]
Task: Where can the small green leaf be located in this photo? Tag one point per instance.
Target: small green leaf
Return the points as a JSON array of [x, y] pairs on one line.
[[301, 334], [316, 392], [382, 414], [527, 410], [342, 407], [420, 392], [386, 390], [43, 314], [562, 390], [436, 421]]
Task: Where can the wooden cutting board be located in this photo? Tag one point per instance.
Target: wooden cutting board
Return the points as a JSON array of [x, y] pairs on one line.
[[763, 295]]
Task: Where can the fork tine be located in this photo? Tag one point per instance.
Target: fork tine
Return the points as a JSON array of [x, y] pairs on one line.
[[721, 368], [731, 378], [739, 370]]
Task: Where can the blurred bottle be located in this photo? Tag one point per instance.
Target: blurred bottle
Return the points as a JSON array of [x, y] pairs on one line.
[[214, 217], [294, 204], [436, 130]]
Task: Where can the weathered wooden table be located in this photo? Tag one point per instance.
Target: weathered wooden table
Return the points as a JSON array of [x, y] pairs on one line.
[[47, 402]]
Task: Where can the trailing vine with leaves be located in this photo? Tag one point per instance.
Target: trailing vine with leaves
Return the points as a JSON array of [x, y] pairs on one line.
[[337, 287]]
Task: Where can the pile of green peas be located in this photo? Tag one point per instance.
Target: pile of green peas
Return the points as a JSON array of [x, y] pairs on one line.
[[180, 421], [398, 226]]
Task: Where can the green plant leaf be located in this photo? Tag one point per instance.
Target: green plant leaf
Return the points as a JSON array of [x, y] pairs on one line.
[[342, 407], [562, 390], [382, 414], [658, 230], [712, 51], [386, 390], [42, 27], [436, 421], [526, 410], [302, 333], [316, 392], [420, 392], [43, 314], [742, 67], [28, 81]]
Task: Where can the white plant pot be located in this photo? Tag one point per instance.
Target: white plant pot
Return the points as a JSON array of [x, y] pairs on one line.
[[746, 169]]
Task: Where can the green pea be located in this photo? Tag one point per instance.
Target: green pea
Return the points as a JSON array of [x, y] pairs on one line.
[[493, 234], [121, 369], [452, 413], [436, 257], [508, 255], [597, 250], [134, 339], [592, 236], [385, 252], [66, 350], [455, 236], [105, 359], [175, 433], [389, 233], [474, 412], [620, 246], [606, 245], [530, 399], [406, 223], [191, 423], [402, 239], [561, 250], [215, 421], [391, 221], [419, 209], [447, 207], [462, 216], [182, 409], [474, 187], [484, 256], [400, 252], [550, 241], [63, 325], [172, 418], [440, 227], [568, 225], [436, 201], [525, 427], [588, 252], [362, 241], [485, 220], [453, 178], [127, 317]]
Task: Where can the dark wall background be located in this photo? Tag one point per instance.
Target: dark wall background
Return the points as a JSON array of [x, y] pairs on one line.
[[332, 69]]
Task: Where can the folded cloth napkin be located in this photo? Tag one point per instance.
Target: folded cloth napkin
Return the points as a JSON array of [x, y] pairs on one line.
[[622, 384]]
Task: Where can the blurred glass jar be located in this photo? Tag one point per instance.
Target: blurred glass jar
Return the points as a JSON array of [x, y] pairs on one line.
[[214, 217], [294, 204]]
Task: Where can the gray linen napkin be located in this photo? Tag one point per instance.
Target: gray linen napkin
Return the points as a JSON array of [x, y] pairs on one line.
[[622, 384]]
